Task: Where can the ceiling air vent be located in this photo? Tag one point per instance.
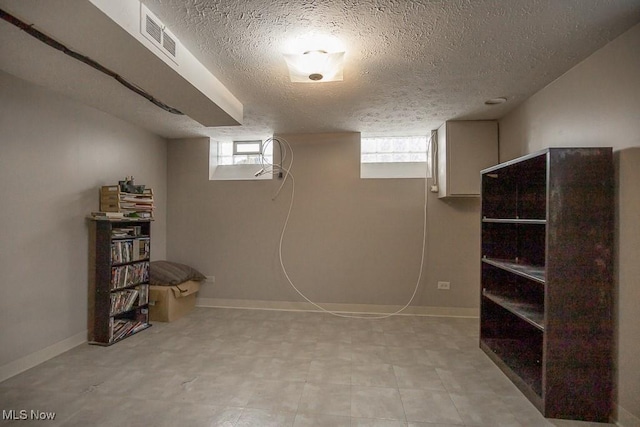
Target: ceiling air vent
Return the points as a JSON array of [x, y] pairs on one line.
[[156, 32], [153, 29], [168, 43]]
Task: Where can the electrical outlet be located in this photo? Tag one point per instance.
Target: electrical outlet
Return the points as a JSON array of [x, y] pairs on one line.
[[211, 279], [444, 285]]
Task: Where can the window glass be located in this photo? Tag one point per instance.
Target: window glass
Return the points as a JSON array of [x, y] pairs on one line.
[[394, 149], [226, 156], [395, 157]]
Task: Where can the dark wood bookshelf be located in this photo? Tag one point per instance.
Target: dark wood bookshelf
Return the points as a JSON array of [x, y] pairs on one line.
[[547, 278], [107, 326]]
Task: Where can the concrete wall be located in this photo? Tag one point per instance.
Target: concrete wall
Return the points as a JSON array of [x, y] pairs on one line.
[[597, 103], [54, 155]]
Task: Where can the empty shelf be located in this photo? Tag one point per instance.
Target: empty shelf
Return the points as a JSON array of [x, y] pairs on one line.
[[514, 220], [529, 312], [532, 272]]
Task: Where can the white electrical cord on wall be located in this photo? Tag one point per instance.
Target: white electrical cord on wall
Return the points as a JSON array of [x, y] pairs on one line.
[[268, 167]]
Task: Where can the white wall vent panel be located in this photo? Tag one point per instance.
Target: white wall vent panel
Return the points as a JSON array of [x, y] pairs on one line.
[[151, 28], [157, 33], [168, 43]]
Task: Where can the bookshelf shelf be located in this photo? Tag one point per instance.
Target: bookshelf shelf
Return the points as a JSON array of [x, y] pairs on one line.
[[119, 255], [533, 272]]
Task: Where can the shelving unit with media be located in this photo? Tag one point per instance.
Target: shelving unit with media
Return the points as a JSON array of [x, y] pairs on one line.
[[547, 278], [118, 278]]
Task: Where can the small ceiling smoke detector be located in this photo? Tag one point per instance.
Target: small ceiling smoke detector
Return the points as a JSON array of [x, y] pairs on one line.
[[315, 66], [495, 101]]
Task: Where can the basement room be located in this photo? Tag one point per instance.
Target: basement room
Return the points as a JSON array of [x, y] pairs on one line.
[[320, 213]]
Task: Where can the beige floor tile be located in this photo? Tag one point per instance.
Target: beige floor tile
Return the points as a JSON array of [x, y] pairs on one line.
[[373, 374], [367, 337], [376, 402], [373, 422], [335, 371], [324, 398], [429, 406], [321, 420], [418, 377], [276, 395], [484, 409], [400, 356], [369, 353], [219, 390], [265, 418]]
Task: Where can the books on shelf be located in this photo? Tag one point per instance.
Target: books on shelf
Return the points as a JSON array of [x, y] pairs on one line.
[[141, 248], [107, 215], [125, 300], [123, 251], [120, 328], [143, 295], [128, 275]]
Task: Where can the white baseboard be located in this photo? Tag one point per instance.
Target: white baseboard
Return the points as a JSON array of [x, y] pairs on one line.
[[626, 418], [339, 308], [27, 362]]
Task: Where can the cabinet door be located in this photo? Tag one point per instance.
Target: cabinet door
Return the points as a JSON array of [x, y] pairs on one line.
[[464, 149]]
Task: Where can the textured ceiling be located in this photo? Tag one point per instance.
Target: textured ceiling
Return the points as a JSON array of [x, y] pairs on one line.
[[409, 65]]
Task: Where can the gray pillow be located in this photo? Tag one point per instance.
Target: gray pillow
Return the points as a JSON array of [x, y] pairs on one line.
[[167, 273]]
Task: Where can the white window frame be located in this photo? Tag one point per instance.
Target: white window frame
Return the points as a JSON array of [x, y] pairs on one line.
[[393, 169], [222, 170]]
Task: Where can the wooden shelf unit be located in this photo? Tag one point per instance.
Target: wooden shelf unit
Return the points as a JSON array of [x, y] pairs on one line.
[[119, 256], [547, 278]]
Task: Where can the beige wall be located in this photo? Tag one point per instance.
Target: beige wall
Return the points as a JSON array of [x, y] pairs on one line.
[[597, 103], [349, 240], [54, 154]]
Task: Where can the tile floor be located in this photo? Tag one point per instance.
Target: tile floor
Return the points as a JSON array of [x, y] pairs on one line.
[[225, 367]]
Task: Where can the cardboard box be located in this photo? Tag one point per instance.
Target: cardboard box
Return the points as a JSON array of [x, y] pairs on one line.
[[169, 303]]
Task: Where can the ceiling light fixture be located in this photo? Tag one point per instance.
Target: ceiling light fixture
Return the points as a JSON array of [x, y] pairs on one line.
[[315, 66]]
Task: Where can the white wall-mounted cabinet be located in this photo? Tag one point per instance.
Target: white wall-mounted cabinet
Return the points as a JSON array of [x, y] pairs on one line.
[[464, 149]]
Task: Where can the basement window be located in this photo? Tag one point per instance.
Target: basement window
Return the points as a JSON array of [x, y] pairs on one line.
[[247, 148], [395, 157], [238, 160]]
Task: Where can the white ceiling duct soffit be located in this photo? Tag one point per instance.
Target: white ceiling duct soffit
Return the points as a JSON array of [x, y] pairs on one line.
[[180, 79], [157, 33], [128, 43]]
